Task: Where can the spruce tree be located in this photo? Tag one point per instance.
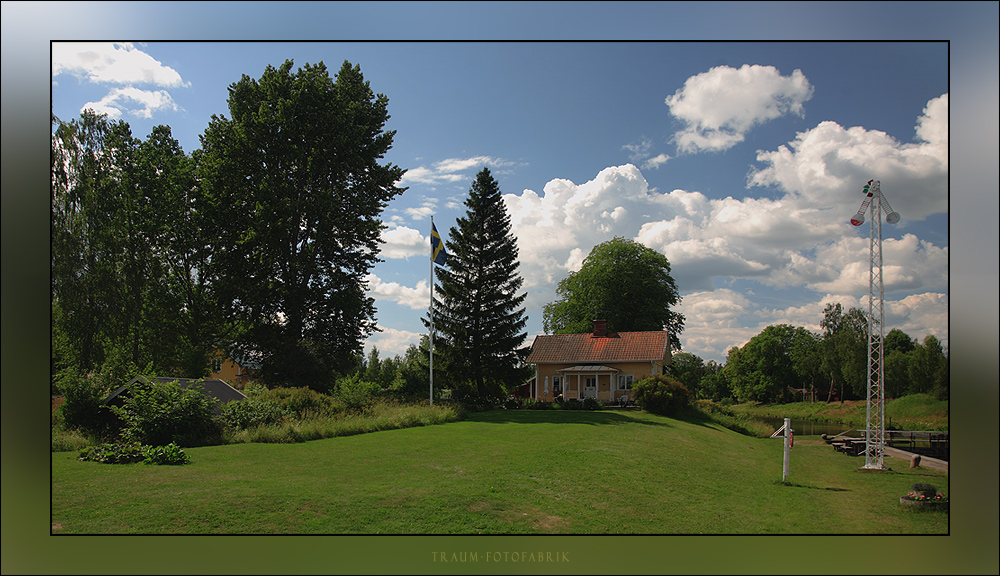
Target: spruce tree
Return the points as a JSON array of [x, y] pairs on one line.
[[479, 315]]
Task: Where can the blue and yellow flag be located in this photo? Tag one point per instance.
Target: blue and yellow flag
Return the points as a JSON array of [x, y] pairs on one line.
[[438, 253]]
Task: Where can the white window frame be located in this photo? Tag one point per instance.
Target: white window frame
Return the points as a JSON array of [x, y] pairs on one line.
[[625, 382]]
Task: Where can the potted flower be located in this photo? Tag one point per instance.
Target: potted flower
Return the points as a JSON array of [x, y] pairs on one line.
[[924, 496]]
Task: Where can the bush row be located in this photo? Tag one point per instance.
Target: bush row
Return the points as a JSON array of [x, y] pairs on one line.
[[157, 414], [128, 453]]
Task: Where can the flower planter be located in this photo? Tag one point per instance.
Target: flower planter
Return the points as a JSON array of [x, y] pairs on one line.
[[924, 504]]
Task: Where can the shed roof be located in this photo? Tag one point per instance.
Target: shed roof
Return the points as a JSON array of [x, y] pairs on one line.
[[218, 389], [614, 347]]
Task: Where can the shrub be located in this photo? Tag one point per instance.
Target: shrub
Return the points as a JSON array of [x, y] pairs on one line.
[[171, 454], [113, 453], [572, 404], [532, 404], [160, 414], [300, 402], [512, 404], [82, 407], [129, 453], [254, 411], [357, 395], [591, 404], [662, 395]]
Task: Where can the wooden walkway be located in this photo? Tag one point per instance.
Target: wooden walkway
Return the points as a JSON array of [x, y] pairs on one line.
[[856, 446]]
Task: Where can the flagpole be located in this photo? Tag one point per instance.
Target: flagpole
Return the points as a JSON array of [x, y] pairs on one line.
[[432, 316]]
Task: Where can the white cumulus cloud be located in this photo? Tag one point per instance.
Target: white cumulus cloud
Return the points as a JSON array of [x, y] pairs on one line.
[[124, 66], [829, 164], [416, 298], [138, 102], [720, 106], [403, 242], [112, 63], [391, 342]]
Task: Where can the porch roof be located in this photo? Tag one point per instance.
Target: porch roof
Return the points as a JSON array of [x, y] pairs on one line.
[[588, 369]]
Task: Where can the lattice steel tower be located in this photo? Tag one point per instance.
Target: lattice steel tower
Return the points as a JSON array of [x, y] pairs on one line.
[[875, 411]]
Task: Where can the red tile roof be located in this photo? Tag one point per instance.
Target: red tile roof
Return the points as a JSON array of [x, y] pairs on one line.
[[616, 347]]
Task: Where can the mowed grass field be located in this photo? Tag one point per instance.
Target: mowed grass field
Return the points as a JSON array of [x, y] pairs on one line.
[[500, 472]]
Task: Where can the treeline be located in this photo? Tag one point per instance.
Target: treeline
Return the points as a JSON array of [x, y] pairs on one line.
[[786, 363], [255, 246]]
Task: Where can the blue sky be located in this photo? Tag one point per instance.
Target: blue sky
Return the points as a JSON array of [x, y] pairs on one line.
[[740, 161]]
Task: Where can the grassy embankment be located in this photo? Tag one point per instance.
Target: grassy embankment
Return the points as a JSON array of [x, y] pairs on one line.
[[914, 412], [499, 472]]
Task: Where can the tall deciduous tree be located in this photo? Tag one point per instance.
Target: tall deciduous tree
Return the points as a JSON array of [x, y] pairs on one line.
[[84, 241], [122, 235], [779, 358], [844, 350], [294, 190], [480, 314], [623, 282]]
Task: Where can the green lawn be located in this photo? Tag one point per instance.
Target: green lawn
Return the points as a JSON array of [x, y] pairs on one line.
[[499, 472]]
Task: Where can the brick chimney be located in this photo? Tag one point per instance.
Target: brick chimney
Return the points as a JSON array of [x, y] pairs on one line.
[[600, 328]]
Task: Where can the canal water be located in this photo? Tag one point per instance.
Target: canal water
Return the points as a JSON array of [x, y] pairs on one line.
[[810, 428]]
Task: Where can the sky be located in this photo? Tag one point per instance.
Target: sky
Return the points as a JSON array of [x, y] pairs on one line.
[[742, 162]]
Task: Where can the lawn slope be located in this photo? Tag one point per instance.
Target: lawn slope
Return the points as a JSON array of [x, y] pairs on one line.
[[499, 472]]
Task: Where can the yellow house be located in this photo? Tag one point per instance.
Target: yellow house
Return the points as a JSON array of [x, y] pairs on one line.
[[228, 370], [603, 365]]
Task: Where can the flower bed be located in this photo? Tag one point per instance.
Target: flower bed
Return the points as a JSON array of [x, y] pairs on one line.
[[925, 496]]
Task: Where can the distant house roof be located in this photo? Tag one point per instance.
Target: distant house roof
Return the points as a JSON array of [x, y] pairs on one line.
[[217, 389], [612, 347]]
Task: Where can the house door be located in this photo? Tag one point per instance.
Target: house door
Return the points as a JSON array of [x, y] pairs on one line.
[[590, 387]]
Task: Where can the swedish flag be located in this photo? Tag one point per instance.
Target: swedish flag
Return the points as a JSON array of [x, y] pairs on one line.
[[438, 253]]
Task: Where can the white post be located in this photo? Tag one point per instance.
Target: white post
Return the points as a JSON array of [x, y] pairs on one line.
[[788, 434]]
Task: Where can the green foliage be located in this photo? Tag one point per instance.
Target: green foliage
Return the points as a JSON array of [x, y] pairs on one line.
[[357, 394], [302, 402], [591, 404], [128, 251], [130, 453], [83, 409], [478, 311], [513, 404], [723, 415], [662, 395], [844, 351], [160, 414], [623, 282], [295, 189], [171, 454], [126, 453], [532, 404], [254, 411]]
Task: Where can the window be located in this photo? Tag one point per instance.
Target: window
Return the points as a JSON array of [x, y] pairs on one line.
[[625, 381], [556, 385], [217, 365]]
